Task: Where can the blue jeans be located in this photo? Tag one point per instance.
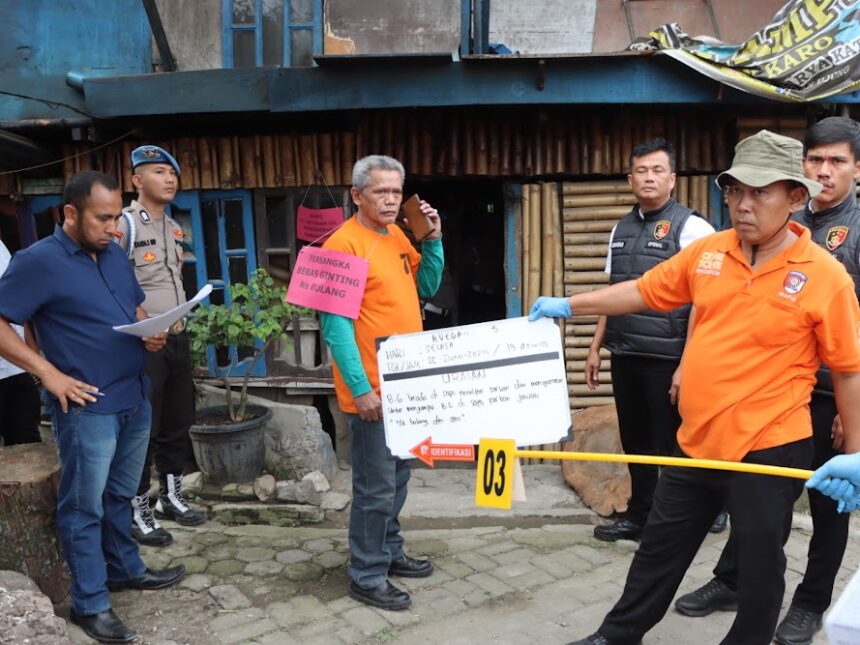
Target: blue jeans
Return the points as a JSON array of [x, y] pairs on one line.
[[378, 494], [101, 456]]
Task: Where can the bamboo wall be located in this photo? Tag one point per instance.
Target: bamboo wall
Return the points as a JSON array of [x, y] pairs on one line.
[[563, 229], [430, 143]]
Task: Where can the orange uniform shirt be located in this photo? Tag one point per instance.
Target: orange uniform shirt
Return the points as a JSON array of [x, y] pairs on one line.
[[759, 336], [390, 304]]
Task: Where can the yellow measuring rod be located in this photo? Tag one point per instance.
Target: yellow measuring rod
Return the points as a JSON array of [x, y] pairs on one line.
[[654, 460], [497, 459]]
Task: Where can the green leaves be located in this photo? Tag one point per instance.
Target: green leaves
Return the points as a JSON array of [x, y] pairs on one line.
[[257, 315]]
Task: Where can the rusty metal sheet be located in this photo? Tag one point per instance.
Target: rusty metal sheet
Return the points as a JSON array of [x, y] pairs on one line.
[[737, 19]]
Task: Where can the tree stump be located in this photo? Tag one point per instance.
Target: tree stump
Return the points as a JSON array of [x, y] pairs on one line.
[[29, 543]]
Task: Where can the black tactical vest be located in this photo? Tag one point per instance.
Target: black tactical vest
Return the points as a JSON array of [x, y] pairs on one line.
[[639, 244], [836, 230]]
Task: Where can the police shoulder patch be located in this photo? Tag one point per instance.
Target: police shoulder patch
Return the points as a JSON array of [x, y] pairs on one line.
[[836, 237]]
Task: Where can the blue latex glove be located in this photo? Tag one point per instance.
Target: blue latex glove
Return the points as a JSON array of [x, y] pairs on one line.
[[839, 479], [545, 307]]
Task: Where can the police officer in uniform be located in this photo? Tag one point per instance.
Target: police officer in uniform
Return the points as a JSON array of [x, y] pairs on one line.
[[831, 150], [153, 243], [646, 347]]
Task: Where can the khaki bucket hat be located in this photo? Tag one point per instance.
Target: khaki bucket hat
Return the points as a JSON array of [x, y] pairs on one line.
[[766, 157]]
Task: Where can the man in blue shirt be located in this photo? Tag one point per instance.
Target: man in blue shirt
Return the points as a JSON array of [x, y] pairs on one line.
[[75, 286]]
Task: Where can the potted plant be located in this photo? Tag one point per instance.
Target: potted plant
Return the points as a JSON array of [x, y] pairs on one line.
[[228, 440]]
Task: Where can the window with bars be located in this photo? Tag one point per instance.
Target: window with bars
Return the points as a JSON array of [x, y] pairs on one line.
[[285, 33]]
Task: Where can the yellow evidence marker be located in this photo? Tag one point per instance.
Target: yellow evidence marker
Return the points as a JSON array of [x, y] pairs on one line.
[[494, 487]]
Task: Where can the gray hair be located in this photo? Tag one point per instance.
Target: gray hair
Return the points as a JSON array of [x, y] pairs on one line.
[[364, 166]]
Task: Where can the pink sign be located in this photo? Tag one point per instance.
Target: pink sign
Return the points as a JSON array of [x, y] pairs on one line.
[[328, 281], [314, 224]]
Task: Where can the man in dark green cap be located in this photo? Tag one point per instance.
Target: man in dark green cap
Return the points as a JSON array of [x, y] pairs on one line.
[[770, 305]]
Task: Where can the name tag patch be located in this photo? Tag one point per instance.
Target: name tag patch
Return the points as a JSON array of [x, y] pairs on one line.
[[652, 244], [617, 245], [141, 243]]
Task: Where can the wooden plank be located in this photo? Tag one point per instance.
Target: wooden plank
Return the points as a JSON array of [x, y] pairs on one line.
[[590, 227]]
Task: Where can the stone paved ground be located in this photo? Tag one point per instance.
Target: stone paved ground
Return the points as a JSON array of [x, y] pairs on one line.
[[536, 575]]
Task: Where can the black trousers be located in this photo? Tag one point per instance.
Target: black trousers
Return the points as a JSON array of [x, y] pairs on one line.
[[20, 410], [830, 528], [647, 421], [685, 503], [172, 397]]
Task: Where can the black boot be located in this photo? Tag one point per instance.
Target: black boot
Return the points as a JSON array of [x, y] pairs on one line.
[[144, 527], [171, 505]]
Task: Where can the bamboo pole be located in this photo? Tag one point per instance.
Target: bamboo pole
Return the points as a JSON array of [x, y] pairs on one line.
[[506, 149], [336, 151], [573, 157], [557, 257], [547, 238], [126, 148], [682, 190], [288, 176], [482, 155], [599, 200], [400, 139], [526, 242], [427, 148], [586, 277], [361, 135], [594, 213], [207, 163], [518, 164], [468, 146], [586, 249], [589, 227], [537, 148], [493, 135], [226, 171], [695, 198], [413, 149], [248, 162], [389, 133], [535, 241], [584, 147], [306, 152], [267, 148], [694, 161], [454, 146], [326, 157], [586, 238], [547, 146], [595, 187], [347, 156], [297, 159], [584, 264]]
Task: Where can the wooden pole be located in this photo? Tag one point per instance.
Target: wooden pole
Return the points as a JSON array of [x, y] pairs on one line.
[[596, 147], [288, 161], [599, 200], [518, 164], [594, 213], [336, 152], [468, 146]]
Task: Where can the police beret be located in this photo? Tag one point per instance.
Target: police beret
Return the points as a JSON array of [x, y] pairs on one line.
[[152, 154]]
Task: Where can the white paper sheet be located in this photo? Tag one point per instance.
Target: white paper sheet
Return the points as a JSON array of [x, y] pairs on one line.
[[161, 323]]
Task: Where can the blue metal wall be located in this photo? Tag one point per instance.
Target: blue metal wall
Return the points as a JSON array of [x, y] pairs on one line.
[[45, 39]]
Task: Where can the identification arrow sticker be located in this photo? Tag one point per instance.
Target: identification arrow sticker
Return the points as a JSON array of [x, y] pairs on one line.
[[429, 452]]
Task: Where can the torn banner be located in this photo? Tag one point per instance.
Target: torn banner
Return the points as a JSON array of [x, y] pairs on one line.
[[810, 50]]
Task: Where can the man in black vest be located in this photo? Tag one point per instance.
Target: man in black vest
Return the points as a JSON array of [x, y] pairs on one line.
[[831, 152], [646, 347]]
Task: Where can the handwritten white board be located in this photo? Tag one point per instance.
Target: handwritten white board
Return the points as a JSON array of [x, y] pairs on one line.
[[503, 379]]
